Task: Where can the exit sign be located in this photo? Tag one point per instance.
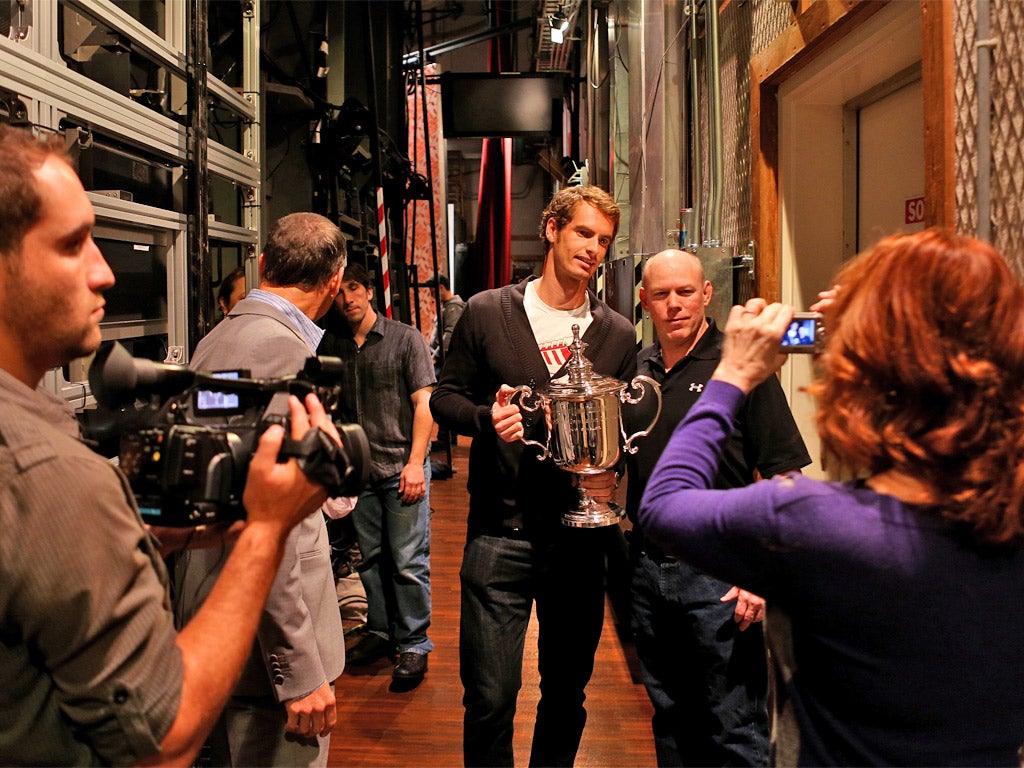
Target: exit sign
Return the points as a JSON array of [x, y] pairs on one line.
[[913, 210]]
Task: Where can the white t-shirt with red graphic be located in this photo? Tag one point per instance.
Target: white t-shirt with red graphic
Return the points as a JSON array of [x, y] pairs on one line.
[[553, 327]]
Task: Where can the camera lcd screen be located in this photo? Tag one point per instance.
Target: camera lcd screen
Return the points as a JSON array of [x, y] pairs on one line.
[[800, 333], [215, 401], [221, 402]]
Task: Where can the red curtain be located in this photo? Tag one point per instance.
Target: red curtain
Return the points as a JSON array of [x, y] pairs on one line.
[[493, 245], [494, 214]]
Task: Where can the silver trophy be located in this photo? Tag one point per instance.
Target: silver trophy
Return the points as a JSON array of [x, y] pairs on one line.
[[585, 428]]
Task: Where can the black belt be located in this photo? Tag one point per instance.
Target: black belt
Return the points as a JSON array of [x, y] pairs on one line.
[[504, 531], [656, 554], [516, 532]]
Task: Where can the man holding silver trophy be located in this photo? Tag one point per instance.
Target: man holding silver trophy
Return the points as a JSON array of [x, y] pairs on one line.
[[518, 552]]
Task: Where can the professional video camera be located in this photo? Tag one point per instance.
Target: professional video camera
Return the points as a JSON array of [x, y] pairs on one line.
[[186, 437]]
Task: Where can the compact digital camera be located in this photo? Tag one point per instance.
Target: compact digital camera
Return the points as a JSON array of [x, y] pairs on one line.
[[806, 334], [186, 437]]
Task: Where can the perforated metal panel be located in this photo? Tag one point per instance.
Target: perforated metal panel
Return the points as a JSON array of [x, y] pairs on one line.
[[745, 29], [1008, 131], [965, 98], [736, 31], [1007, 128], [770, 19]]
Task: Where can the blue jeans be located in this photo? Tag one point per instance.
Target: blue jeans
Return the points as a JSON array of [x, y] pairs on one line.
[[394, 539], [501, 578], [707, 680]]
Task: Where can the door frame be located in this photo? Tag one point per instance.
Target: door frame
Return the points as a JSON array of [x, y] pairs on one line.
[[818, 26]]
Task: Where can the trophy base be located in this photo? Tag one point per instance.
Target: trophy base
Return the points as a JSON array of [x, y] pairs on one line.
[[593, 514]]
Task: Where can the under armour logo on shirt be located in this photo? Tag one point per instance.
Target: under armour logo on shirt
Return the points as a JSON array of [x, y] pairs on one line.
[[695, 387]]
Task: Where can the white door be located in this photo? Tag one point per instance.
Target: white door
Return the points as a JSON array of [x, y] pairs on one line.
[[842, 121]]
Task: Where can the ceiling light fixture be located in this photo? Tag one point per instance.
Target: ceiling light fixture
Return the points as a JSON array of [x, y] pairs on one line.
[[558, 25]]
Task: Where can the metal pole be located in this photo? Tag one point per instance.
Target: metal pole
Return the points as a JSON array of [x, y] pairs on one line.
[[599, 84], [383, 230], [200, 298], [430, 170], [984, 45], [252, 133], [438, 326], [715, 162], [695, 227]]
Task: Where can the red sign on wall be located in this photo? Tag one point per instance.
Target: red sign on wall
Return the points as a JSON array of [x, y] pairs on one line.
[[913, 210]]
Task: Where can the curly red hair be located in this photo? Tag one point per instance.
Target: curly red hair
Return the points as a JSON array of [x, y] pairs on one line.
[[923, 373]]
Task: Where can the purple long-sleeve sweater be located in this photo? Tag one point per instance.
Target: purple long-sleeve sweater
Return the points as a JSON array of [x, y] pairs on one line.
[[895, 641]]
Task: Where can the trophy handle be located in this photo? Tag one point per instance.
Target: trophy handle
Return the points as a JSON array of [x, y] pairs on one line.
[[526, 396], [625, 398]]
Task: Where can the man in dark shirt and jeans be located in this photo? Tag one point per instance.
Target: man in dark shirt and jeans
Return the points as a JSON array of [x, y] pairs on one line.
[[386, 388], [699, 640]]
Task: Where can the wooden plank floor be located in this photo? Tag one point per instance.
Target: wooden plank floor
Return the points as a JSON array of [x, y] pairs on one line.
[[423, 727]]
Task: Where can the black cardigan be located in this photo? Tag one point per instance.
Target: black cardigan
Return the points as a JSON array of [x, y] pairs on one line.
[[492, 345]]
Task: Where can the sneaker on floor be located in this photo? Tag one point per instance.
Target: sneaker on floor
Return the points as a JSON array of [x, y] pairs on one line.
[[409, 671], [368, 650]]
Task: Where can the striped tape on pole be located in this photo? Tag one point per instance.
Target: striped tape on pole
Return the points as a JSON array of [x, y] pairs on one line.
[[382, 232], [638, 309]]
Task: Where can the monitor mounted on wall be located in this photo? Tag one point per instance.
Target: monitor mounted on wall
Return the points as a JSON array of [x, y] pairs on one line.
[[481, 104]]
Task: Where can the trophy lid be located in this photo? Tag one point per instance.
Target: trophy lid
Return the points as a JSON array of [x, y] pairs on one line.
[[580, 381]]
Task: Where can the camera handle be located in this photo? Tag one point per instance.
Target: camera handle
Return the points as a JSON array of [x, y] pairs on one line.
[[326, 462]]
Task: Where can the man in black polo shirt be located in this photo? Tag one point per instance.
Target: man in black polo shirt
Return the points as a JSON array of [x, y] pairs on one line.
[[701, 649]]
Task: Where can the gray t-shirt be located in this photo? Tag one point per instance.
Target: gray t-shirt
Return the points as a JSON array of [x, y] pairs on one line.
[[378, 380]]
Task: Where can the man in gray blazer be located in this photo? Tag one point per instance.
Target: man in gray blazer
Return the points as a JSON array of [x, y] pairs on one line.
[[283, 708]]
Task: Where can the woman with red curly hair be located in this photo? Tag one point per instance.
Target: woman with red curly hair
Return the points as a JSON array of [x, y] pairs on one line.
[[894, 614]]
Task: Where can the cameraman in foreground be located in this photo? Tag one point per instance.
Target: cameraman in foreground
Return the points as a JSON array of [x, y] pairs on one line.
[[91, 668]]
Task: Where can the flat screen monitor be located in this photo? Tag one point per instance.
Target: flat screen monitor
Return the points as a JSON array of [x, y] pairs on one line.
[[140, 272], [509, 104]]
